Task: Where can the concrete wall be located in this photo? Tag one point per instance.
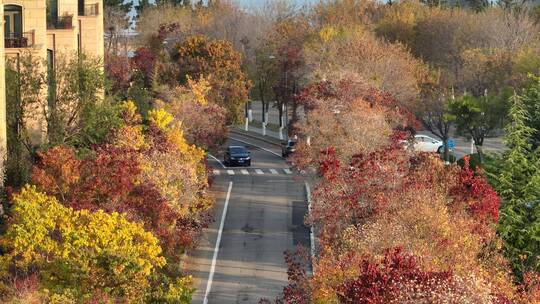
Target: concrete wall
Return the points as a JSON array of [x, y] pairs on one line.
[[3, 123], [91, 31], [64, 41], [34, 20]]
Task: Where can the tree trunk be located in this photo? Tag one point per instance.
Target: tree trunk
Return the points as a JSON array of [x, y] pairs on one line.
[[446, 150], [480, 153], [262, 109], [280, 111]]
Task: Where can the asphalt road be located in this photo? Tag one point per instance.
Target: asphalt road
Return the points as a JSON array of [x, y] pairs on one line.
[[264, 218]]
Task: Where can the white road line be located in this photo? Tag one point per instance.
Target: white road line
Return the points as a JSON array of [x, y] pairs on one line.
[[252, 144], [230, 172], [273, 171], [311, 234], [212, 156], [216, 172], [244, 171], [287, 171], [259, 171], [216, 248]]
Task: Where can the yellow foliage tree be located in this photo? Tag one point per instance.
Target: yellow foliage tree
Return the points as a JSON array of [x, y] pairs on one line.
[[79, 252]]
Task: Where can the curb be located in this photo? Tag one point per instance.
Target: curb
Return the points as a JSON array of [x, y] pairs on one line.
[[266, 139]]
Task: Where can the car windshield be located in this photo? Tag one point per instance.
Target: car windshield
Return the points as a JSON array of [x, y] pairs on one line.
[[238, 150]]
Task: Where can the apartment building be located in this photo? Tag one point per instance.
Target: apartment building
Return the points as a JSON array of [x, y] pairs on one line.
[[3, 123], [46, 29]]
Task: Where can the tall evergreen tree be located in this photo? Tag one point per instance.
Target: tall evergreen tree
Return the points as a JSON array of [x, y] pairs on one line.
[[531, 100], [518, 183], [143, 4], [121, 4]]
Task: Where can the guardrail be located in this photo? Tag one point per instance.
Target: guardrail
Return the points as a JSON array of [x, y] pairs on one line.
[[19, 40]]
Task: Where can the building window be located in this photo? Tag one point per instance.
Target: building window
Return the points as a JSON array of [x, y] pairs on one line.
[[51, 87], [13, 21], [52, 12], [81, 7]]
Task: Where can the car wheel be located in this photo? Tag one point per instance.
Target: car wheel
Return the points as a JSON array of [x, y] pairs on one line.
[[440, 150], [248, 163]]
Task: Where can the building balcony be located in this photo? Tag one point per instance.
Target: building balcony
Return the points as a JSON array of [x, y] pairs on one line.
[[89, 9], [19, 40], [60, 23]]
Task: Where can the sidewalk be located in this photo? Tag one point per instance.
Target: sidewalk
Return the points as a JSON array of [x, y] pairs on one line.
[[258, 131]]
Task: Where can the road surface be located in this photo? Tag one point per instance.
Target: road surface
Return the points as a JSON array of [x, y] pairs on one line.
[[264, 217]]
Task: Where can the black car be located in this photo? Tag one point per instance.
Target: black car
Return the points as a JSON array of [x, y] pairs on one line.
[[287, 148], [237, 155]]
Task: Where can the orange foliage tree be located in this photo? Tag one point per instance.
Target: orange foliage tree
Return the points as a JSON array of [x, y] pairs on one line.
[[198, 56]]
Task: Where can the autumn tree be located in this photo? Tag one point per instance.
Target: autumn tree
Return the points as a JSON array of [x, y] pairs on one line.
[[74, 251], [198, 56], [335, 52], [335, 116], [131, 173], [191, 105]]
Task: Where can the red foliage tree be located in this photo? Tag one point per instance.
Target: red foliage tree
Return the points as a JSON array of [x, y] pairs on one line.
[[110, 180], [117, 69], [383, 282], [473, 192], [144, 61]]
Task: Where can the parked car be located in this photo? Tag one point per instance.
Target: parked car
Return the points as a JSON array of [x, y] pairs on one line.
[[237, 156], [288, 147], [424, 143]]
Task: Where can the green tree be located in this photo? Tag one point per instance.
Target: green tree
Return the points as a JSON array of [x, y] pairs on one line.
[[25, 83], [518, 183], [143, 4], [477, 117], [123, 5], [76, 93], [531, 101]]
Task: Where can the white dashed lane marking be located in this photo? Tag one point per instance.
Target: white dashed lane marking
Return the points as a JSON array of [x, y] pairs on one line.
[[281, 171]]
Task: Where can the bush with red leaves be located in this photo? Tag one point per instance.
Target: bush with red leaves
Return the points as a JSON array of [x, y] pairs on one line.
[[383, 282]]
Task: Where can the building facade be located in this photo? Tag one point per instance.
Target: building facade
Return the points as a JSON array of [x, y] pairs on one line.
[[46, 29]]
